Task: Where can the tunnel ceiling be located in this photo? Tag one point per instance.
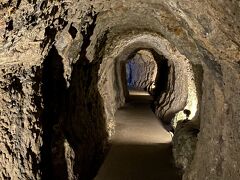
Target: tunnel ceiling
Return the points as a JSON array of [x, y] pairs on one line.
[[59, 87]]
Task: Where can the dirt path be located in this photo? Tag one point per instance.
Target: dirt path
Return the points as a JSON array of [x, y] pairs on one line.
[[141, 148]]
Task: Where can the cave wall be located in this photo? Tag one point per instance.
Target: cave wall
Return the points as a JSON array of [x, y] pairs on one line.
[[21, 132], [43, 54], [56, 63]]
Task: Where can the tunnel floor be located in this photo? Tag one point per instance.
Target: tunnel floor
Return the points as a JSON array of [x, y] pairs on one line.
[[141, 147]]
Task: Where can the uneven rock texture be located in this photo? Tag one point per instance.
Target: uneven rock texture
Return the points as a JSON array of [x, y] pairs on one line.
[[61, 83], [39, 46], [21, 132], [184, 143]]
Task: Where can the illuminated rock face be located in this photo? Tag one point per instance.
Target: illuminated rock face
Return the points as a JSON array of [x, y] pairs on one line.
[[61, 82]]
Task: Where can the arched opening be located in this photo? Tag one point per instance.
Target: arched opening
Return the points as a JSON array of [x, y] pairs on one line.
[[138, 72], [171, 97], [174, 92], [140, 142], [141, 71]]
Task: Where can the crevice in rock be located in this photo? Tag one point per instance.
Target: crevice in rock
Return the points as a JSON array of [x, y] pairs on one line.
[[50, 34], [16, 85], [87, 33], [43, 4], [18, 3], [54, 10], [9, 25], [72, 31], [54, 90], [51, 31]]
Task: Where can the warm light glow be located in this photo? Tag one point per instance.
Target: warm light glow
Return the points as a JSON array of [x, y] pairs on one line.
[[153, 86], [192, 101], [138, 93], [137, 124]]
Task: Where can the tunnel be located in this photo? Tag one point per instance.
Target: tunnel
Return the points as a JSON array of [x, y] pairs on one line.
[[140, 71], [108, 90]]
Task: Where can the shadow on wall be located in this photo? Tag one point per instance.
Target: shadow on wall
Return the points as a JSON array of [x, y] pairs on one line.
[[84, 125], [161, 82], [74, 115], [54, 90]]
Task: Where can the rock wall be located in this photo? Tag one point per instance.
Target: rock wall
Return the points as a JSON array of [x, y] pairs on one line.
[[60, 82], [42, 51], [21, 132]]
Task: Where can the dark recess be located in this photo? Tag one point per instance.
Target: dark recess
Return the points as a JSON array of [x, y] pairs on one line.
[[44, 4], [53, 90], [161, 81], [72, 31], [50, 34], [16, 85], [18, 3], [9, 25]]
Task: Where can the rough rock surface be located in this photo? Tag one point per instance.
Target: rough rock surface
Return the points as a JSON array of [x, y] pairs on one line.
[[60, 82], [184, 144]]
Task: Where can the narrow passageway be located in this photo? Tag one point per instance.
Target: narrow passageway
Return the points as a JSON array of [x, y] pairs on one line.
[[141, 147]]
